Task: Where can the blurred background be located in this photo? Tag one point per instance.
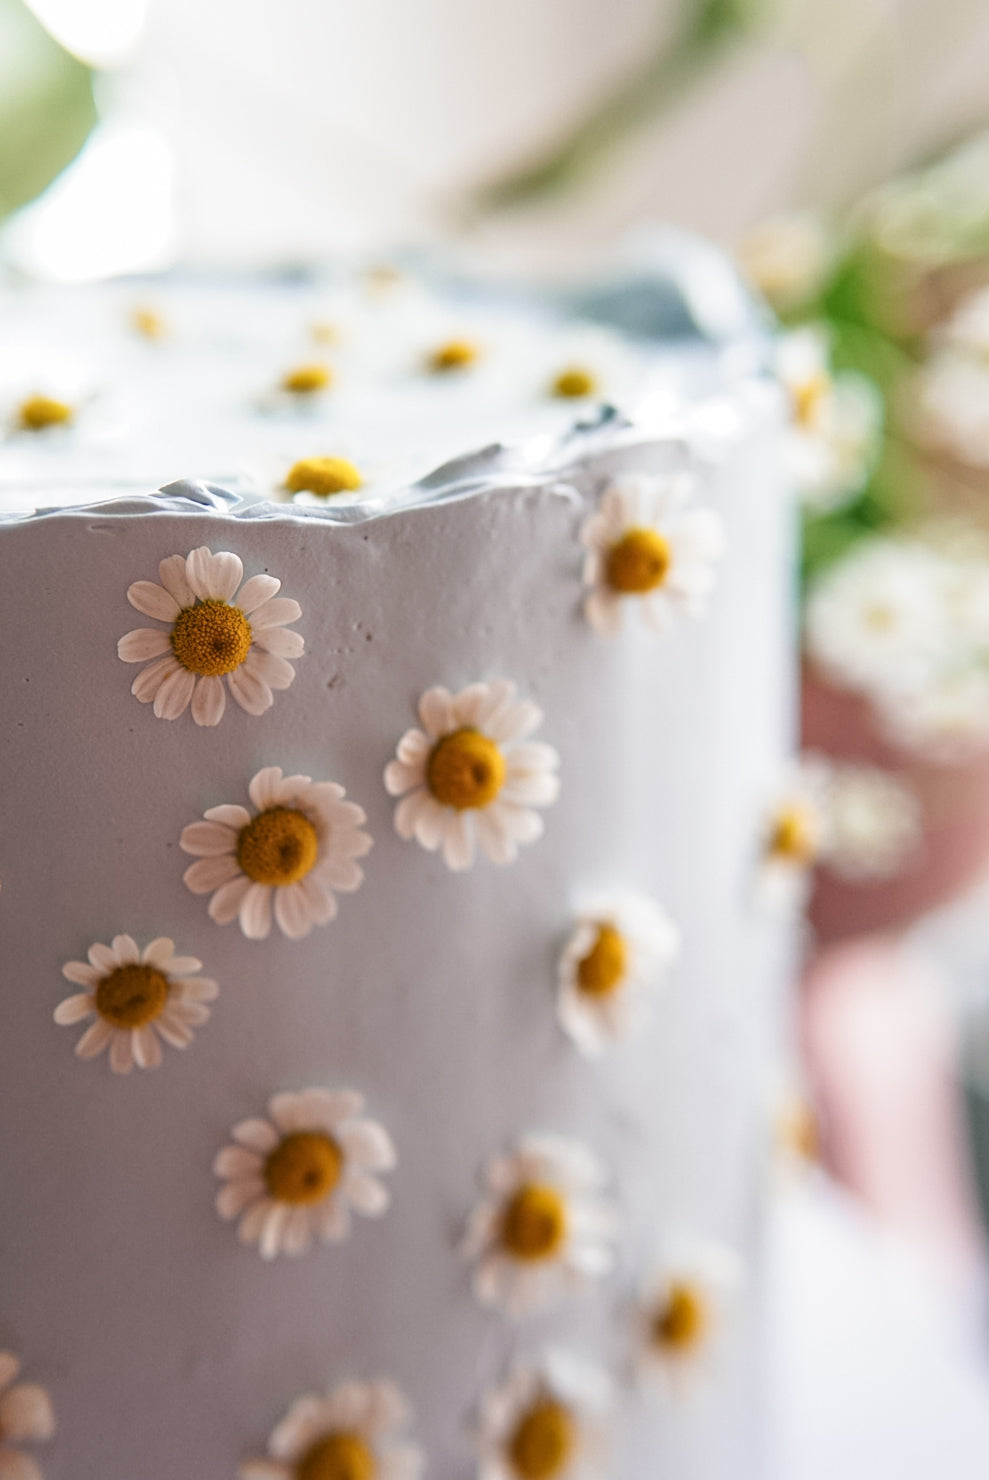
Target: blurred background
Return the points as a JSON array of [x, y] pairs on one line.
[[840, 152]]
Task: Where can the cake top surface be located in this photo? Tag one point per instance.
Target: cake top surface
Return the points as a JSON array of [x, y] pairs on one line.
[[336, 395]]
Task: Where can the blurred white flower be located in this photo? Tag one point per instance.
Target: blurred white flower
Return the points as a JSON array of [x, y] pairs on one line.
[[787, 258], [794, 834], [836, 423], [549, 1418], [874, 822], [684, 1314], [945, 719], [953, 385], [876, 620]]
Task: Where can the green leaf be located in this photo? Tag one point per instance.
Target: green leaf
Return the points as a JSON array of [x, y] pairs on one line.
[[46, 107]]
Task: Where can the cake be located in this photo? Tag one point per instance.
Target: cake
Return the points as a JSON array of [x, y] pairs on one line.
[[410, 830]]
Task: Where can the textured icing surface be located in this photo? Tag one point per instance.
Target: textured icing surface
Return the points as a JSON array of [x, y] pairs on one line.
[[170, 1349]]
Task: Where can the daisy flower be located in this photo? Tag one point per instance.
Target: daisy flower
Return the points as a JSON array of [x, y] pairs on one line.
[[945, 719], [353, 1433], [953, 385], [589, 365], [541, 1231], [471, 775], [548, 1420], [836, 422], [684, 1314], [787, 258], [874, 823], [297, 1175], [611, 968], [298, 848], [136, 997], [216, 629], [26, 1417], [643, 544], [795, 835], [876, 620]]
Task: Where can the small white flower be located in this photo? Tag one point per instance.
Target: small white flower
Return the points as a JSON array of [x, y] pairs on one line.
[[549, 1420], [136, 998], [834, 435], [787, 258], [588, 365], [217, 628], [874, 823], [644, 545], [354, 1432], [794, 835], [953, 386], [297, 851], [471, 775], [876, 620], [684, 1314], [945, 719], [26, 1417], [794, 1126], [611, 969], [296, 1176], [541, 1231]]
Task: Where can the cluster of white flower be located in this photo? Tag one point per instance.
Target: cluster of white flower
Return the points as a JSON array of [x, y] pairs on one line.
[[953, 385], [906, 625], [836, 422]]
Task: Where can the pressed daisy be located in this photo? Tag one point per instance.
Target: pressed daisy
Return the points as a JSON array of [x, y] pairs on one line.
[[297, 1175], [135, 997], [355, 1432], [148, 322], [296, 852], [548, 1420], [795, 834], [216, 629], [541, 1231], [471, 775], [644, 545], [26, 1417], [684, 1313], [611, 968], [588, 364], [836, 422]]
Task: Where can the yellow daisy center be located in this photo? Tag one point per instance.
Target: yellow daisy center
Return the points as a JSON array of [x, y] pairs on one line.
[[38, 412], [211, 638], [794, 836], [455, 354], [323, 476], [543, 1442], [574, 382], [303, 1168], [465, 769], [534, 1224], [325, 332], [148, 323], [638, 562], [681, 1322], [339, 1456], [306, 380], [132, 996], [603, 968], [279, 846], [808, 397]]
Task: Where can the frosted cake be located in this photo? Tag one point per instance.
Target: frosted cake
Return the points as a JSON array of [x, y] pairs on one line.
[[401, 806]]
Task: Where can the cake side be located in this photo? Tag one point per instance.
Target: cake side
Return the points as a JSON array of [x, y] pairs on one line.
[[432, 993]]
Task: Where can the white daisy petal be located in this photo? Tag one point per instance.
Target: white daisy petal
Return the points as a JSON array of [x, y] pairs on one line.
[[82, 974], [152, 600], [143, 643], [282, 641], [213, 577], [94, 1040], [171, 573], [226, 902], [252, 694], [278, 612], [256, 592], [229, 816], [209, 701], [74, 1010], [255, 912], [264, 788], [292, 911], [436, 711], [174, 694], [16, 1465], [150, 679]]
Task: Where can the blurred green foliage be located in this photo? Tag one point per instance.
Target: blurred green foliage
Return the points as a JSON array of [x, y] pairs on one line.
[[46, 106]]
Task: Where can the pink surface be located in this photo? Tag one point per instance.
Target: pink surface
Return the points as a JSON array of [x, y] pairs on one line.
[[880, 1049], [955, 803]]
